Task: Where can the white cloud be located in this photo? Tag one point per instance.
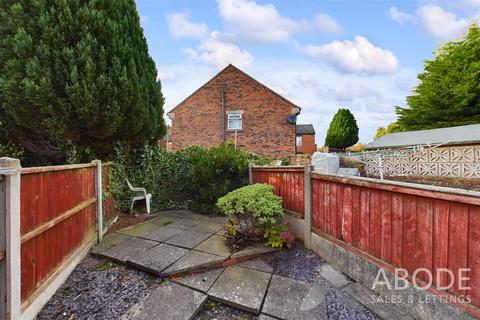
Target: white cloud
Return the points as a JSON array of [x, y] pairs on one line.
[[440, 24], [357, 56], [326, 24], [180, 26], [400, 16], [220, 53], [248, 20]]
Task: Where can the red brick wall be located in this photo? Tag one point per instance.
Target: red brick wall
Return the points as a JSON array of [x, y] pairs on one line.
[[308, 144], [197, 120]]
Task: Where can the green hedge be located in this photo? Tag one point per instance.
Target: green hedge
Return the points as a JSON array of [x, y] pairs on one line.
[[191, 178]]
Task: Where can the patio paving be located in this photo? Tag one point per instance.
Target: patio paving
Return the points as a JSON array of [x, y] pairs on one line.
[[183, 247], [173, 243]]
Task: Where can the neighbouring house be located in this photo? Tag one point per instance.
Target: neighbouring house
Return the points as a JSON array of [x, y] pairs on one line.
[[444, 152], [305, 139], [234, 107]]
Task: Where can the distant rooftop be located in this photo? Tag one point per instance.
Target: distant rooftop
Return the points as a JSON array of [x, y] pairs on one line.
[[304, 129], [469, 134]]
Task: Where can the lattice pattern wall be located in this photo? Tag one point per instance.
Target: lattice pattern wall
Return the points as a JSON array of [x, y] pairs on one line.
[[455, 162]]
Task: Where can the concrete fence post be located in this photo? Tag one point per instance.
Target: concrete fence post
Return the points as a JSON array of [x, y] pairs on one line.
[[10, 281], [308, 205], [250, 173], [99, 195]]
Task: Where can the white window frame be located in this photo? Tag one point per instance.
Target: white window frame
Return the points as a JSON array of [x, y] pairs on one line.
[[235, 116], [297, 137]]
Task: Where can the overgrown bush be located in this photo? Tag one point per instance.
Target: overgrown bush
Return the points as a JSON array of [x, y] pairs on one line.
[[255, 213], [11, 150], [215, 172], [166, 175]]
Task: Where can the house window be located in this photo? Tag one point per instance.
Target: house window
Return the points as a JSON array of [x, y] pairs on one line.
[[299, 141], [235, 121]]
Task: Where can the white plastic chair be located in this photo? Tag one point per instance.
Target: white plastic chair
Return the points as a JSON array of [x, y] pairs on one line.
[[146, 196]]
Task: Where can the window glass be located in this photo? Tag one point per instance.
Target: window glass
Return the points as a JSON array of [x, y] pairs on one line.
[[299, 141], [234, 121]]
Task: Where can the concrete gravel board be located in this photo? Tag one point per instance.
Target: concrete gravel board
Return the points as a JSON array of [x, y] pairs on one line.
[[170, 301], [241, 287]]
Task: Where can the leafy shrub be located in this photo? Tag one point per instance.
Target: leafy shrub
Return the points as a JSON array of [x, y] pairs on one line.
[[11, 150], [215, 172], [164, 174], [255, 214]]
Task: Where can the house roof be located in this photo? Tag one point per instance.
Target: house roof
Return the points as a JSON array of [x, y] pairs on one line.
[[468, 134], [304, 129], [222, 71]]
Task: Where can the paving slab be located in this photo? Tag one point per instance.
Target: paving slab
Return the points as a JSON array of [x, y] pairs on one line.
[[170, 301], [214, 245], [195, 259], [138, 229], [257, 264], [158, 258], [188, 238], [184, 224], [258, 248], [241, 287], [109, 241], [162, 221], [201, 281], [265, 317], [161, 234], [129, 248], [335, 277], [295, 300], [207, 226]]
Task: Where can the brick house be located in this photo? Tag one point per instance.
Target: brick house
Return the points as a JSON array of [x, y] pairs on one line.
[[233, 106], [305, 139]]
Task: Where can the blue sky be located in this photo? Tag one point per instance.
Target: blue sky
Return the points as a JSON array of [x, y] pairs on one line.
[[322, 55]]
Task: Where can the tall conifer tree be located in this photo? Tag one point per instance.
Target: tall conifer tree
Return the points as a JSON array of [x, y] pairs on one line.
[[76, 73]]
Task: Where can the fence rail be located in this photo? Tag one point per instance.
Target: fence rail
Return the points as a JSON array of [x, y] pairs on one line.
[[402, 225], [58, 218]]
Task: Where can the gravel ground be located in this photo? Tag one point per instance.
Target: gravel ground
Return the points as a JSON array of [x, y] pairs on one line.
[[339, 309], [98, 289], [219, 311], [297, 263]]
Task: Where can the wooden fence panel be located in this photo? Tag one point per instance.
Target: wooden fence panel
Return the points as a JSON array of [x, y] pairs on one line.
[[404, 225], [287, 183], [58, 213]]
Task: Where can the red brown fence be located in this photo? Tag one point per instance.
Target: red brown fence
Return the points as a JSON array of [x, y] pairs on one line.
[[288, 182], [400, 225], [52, 215]]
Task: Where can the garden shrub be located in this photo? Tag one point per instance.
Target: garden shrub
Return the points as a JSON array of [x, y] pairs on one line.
[[165, 174], [215, 172], [255, 213]]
